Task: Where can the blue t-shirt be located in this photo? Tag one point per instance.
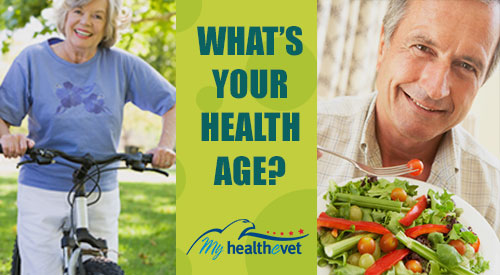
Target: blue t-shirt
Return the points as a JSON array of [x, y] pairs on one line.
[[77, 108]]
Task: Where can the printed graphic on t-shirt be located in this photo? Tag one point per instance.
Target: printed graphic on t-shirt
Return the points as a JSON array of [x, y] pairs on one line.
[[71, 96]]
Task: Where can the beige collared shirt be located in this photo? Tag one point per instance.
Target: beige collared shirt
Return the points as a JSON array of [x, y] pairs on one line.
[[346, 125]]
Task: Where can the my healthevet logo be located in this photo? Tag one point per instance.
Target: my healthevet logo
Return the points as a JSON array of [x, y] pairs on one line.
[[215, 242]]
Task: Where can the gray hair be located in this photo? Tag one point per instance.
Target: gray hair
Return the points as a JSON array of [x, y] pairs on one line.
[[395, 12], [113, 19]]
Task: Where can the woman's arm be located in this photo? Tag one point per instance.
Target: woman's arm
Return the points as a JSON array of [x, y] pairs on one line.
[[164, 155], [167, 138]]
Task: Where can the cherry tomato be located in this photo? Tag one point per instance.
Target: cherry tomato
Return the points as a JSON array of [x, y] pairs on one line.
[[414, 266], [388, 243], [366, 245], [416, 164], [476, 245], [398, 194], [458, 245]]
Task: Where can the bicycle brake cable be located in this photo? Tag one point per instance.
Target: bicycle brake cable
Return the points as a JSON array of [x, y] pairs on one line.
[[107, 170], [96, 184]]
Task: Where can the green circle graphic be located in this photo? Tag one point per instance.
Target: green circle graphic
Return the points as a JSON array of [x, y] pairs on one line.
[[182, 262], [188, 18], [207, 100]]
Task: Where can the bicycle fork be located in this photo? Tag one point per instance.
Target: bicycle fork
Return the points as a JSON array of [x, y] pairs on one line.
[[77, 233]]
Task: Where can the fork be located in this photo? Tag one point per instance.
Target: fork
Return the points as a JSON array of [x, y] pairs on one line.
[[381, 172]]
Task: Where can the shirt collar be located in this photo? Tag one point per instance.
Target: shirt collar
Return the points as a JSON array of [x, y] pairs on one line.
[[446, 164], [368, 142]]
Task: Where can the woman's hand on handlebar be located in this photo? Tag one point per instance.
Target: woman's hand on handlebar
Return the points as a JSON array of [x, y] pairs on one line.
[[163, 157], [15, 145]]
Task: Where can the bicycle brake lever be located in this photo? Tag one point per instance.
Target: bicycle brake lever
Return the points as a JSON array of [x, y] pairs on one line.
[[38, 156], [157, 170], [137, 166], [41, 156], [134, 162], [43, 160]]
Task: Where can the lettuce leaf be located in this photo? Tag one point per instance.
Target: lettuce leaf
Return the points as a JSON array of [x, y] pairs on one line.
[[434, 268], [384, 188], [442, 202], [425, 217], [460, 232], [367, 217], [448, 255], [435, 238], [392, 221], [378, 216], [349, 270], [478, 264]]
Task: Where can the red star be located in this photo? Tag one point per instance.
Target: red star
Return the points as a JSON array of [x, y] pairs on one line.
[[291, 233], [281, 233], [274, 233], [268, 232], [301, 231]]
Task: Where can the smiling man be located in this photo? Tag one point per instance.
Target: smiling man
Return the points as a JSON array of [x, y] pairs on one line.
[[433, 57]]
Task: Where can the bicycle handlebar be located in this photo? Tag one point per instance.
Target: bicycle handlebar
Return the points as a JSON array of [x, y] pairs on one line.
[[136, 161]]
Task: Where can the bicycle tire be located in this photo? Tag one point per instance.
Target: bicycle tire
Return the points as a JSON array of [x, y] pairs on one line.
[[101, 266], [16, 260]]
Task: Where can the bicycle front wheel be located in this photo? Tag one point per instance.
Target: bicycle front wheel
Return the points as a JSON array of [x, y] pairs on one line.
[[101, 266], [16, 260]]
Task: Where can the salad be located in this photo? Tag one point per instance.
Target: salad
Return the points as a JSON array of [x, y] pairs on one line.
[[374, 226]]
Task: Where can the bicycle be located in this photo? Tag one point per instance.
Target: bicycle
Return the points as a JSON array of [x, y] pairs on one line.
[[75, 229]]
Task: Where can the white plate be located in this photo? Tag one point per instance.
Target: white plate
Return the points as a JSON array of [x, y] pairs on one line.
[[490, 245]]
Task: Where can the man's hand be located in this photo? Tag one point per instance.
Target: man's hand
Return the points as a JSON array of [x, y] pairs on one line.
[[14, 146], [163, 157], [318, 154]]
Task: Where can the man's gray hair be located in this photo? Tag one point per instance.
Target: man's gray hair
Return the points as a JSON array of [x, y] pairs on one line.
[[395, 13], [113, 19]]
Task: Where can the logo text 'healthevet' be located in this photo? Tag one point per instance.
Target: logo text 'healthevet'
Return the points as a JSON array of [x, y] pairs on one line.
[[214, 242]]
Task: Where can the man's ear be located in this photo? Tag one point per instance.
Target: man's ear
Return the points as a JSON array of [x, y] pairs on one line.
[[381, 48]]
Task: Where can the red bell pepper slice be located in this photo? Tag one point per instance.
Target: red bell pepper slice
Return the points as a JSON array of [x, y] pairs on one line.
[[425, 229], [414, 212], [386, 262], [476, 245], [326, 221]]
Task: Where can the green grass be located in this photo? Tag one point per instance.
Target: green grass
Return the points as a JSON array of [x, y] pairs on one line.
[[8, 214], [147, 227]]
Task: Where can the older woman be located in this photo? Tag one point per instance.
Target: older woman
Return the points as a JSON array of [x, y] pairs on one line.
[[73, 91]]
